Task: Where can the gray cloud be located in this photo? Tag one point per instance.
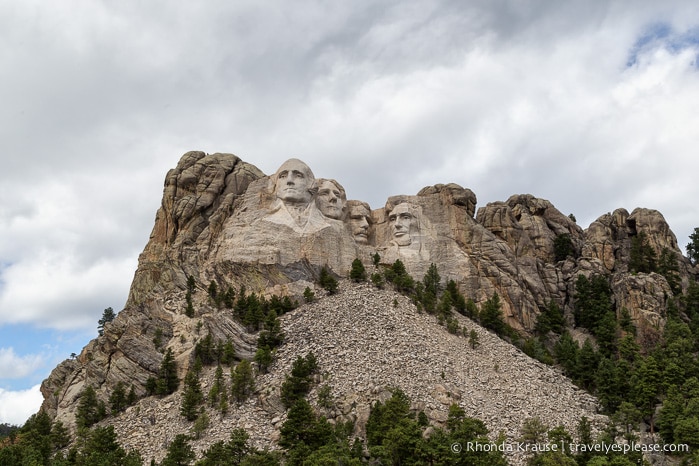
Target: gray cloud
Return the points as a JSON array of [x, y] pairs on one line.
[[566, 101]]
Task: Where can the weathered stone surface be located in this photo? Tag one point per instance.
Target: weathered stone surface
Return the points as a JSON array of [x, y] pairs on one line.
[[365, 347], [199, 195], [642, 294], [453, 194], [223, 220]]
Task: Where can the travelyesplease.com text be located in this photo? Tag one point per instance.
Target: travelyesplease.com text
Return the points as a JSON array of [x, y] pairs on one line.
[[604, 448]]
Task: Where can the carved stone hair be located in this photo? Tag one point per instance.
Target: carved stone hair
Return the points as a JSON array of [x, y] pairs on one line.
[[339, 187], [306, 169]]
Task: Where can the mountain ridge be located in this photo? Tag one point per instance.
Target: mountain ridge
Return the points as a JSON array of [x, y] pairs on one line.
[[218, 224]]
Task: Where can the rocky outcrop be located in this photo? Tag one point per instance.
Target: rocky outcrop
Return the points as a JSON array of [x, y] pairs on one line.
[[608, 239], [365, 347], [200, 194], [224, 221]]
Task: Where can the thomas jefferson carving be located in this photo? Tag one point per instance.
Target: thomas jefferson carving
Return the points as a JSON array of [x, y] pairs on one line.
[[331, 199]]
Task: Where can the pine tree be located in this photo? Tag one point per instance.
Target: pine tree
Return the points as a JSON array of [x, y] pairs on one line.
[[192, 396], [189, 307], [629, 349], [491, 315], [445, 305], [550, 320], [107, 316], [309, 295], [229, 298], [102, 449], [642, 256], [302, 427], [471, 309], [167, 381], [88, 412], [298, 383], [668, 267], [399, 277], [254, 314], [560, 436], [672, 411], [358, 272], [693, 247], [223, 403], [646, 385], [327, 281], [562, 247], [179, 453], [584, 430], [217, 387], [628, 417], [586, 365], [626, 322], [606, 333], [473, 339], [457, 298], [131, 398], [60, 436], [242, 381], [263, 358], [608, 385], [191, 284], [213, 290], [205, 350], [117, 400], [593, 299], [533, 431], [566, 353], [272, 336], [377, 280], [201, 423], [241, 304], [236, 451], [228, 354], [431, 280]]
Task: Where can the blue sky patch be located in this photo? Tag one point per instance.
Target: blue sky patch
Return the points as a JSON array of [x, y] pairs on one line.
[[663, 35], [56, 346]]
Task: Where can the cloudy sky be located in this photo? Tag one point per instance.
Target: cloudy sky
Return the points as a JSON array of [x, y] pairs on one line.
[[592, 105]]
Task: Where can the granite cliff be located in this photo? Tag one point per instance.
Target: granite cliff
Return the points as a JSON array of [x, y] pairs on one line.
[[223, 221]]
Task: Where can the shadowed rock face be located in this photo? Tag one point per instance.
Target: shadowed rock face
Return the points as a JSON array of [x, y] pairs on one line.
[[223, 220]]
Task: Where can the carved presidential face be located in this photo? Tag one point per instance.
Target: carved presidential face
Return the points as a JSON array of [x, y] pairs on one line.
[[359, 223], [403, 224], [294, 182], [331, 199]]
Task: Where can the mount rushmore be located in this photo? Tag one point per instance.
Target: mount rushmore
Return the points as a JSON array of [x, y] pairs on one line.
[[224, 221]]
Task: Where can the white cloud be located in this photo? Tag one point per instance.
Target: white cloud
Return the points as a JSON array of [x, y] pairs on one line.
[[17, 406], [385, 97], [13, 366], [55, 291]]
